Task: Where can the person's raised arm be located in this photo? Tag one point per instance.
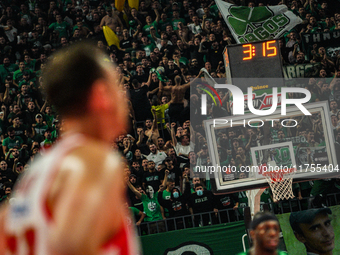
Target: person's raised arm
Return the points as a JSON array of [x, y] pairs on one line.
[[192, 134], [160, 89], [6, 95], [19, 100], [173, 135], [311, 6], [186, 86], [140, 138], [134, 190], [14, 169], [162, 212], [127, 149], [158, 17], [153, 34], [154, 129], [329, 61], [187, 189], [165, 181], [43, 107], [8, 154], [200, 49], [149, 80], [203, 24], [333, 82]]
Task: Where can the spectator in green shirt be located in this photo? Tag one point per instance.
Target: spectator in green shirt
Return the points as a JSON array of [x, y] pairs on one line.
[[152, 208], [56, 131], [11, 141], [164, 22], [61, 26], [147, 45], [29, 63], [40, 126], [28, 80], [176, 20], [7, 68], [150, 23], [18, 74]]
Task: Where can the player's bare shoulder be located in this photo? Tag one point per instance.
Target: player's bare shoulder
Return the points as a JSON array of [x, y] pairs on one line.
[[90, 171], [92, 164], [94, 160]]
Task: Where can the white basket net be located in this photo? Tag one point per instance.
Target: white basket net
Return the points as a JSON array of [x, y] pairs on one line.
[[281, 183]]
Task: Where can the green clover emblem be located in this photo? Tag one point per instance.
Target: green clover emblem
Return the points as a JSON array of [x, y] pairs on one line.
[[242, 16]]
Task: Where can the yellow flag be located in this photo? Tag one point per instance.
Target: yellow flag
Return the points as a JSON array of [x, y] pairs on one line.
[[134, 4], [119, 4], [111, 37]]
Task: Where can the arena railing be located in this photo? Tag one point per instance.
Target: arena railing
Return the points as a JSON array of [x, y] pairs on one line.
[[231, 215]]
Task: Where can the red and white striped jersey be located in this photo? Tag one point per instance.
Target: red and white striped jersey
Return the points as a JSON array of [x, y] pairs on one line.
[[29, 217]]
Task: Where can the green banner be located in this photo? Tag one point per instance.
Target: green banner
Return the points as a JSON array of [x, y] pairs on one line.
[[328, 40], [301, 71], [294, 247], [213, 240], [259, 23]]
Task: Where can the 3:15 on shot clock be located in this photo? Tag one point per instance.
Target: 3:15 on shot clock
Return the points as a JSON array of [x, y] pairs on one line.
[[269, 49], [260, 59]]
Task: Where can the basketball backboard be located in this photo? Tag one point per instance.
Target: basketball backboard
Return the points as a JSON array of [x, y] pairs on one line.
[[252, 141]]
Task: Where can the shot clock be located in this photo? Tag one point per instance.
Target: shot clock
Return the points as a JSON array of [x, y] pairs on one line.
[[260, 61], [268, 50]]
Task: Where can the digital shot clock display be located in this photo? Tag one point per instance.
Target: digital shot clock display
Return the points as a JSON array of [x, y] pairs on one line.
[[260, 61]]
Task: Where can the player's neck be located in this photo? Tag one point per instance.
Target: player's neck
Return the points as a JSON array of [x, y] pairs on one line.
[[71, 127]]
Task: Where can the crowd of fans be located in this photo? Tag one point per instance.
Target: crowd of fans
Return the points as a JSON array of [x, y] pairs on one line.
[[162, 45]]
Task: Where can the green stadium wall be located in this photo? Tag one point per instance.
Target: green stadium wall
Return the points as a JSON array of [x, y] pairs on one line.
[[223, 239]]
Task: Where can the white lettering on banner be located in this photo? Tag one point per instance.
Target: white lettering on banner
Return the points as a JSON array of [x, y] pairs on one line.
[[326, 36], [316, 38]]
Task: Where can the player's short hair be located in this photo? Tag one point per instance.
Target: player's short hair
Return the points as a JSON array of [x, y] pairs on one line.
[[70, 75], [260, 217]]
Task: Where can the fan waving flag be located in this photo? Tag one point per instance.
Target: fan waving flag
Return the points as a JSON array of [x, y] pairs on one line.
[[258, 23]]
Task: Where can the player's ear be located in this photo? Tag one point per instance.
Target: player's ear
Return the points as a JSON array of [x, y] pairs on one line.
[[99, 99], [252, 234], [300, 237]]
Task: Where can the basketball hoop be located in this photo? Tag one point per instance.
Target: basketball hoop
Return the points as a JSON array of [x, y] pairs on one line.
[[280, 181]]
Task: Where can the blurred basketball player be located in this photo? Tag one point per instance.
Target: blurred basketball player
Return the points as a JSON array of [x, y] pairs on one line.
[[265, 233], [72, 200]]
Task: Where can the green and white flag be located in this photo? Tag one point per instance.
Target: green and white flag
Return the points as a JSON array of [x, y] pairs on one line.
[[258, 23]]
